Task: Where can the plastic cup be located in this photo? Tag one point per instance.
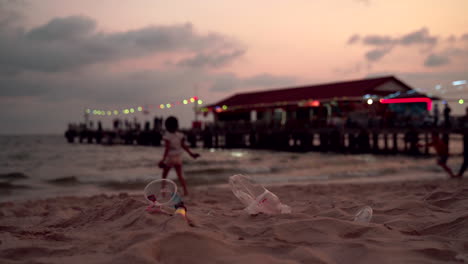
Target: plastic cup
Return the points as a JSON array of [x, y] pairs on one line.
[[161, 192], [364, 215], [256, 197]]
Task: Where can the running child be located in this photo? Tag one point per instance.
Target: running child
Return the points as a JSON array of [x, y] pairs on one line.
[[174, 142]]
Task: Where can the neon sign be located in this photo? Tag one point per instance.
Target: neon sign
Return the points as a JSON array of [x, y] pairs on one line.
[[426, 100]]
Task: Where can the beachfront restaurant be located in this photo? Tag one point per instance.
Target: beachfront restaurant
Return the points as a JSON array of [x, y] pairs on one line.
[[384, 101]]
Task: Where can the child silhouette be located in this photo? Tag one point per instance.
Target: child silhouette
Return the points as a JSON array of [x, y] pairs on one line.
[[174, 142]]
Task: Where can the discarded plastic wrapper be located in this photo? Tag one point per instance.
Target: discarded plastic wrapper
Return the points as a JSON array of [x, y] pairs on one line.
[[364, 215], [256, 197]]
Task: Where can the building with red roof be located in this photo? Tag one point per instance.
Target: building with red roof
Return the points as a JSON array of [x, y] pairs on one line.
[[350, 99]]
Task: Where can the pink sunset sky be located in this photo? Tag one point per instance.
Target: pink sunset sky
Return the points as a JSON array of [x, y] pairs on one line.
[[58, 57]]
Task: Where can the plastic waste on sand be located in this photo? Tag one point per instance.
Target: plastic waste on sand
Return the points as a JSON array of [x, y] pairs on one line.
[[364, 215], [255, 197], [162, 192]]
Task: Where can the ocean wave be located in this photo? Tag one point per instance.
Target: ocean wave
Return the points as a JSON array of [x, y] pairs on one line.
[[13, 176], [11, 186], [69, 180]]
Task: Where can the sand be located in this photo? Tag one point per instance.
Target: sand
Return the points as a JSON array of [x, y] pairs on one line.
[[413, 222]]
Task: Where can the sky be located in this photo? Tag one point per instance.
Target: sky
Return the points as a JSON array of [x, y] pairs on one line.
[[59, 58]]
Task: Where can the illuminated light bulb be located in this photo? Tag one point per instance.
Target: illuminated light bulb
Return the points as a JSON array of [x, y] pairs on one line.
[[116, 112], [132, 110], [225, 107], [200, 102], [315, 103], [126, 111], [94, 112], [195, 97], [140, 109], [461, 101], [168, 105], [192, 100], [88, 111], [161, 106], [185, 101], [109, 113], [370, 101]]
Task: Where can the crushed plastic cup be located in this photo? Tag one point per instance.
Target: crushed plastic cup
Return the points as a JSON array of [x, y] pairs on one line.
[[364, 215], [255, 197], [162, 192]]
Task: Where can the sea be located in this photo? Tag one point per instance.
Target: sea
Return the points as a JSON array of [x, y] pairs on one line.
[[46, 166]]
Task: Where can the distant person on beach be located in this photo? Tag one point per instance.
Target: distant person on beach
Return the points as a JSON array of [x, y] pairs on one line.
[[465, 156], [442, 152], [464, 127], [174, 142]]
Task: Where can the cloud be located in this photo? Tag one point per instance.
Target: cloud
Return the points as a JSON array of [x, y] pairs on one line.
[[353, 39], [70, 43], [60, 67], [417, 37], [30, 96], [421, 36], [464, 36], [440, 53], [8, 12], [69, 28], [376, 40], [434, 60], [211, 60], [377, 54], [445, 56]]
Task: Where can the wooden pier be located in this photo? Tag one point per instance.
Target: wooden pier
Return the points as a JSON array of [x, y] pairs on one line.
[[345, 140], [377, 141]]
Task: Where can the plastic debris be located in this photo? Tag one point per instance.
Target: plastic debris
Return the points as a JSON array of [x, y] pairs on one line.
[[255, 197]]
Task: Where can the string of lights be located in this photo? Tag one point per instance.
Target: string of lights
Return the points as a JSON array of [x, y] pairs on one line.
[[140, 108]]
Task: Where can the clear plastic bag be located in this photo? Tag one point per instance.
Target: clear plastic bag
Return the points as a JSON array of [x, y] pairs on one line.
[[255, 197]]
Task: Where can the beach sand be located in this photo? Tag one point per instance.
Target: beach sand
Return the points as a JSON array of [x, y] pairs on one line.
[[413, 222]]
